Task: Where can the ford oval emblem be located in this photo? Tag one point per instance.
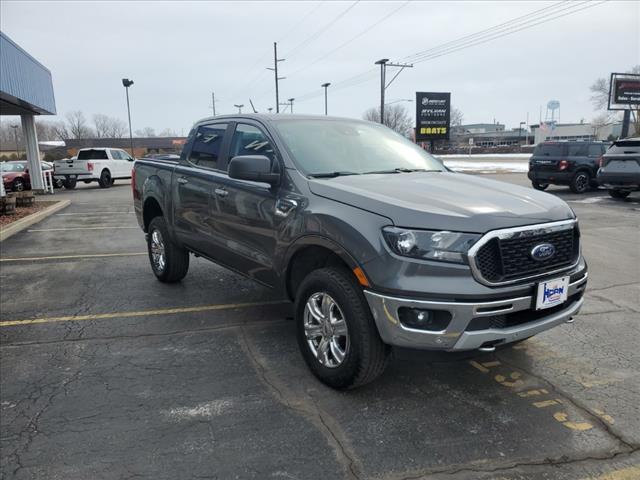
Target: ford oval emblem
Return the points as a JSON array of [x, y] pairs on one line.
[[543, 251]]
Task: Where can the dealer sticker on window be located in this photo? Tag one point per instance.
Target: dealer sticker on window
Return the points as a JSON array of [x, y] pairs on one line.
[[552, 293]]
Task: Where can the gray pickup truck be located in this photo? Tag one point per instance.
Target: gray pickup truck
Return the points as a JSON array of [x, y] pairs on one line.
[[376, 242]]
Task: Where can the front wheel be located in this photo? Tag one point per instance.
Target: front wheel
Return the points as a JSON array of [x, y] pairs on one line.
[[336, 332], [169, 262], [539, 186], [581, 182], [18, 185], [619, 194]]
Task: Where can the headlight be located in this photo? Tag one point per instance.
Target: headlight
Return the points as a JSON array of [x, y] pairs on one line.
[[430, 245]]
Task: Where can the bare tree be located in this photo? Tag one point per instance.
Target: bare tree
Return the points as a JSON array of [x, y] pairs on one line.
[[109, 127], [145, 132], [167, 132], [396, 118], [77, 126], [456, 117]]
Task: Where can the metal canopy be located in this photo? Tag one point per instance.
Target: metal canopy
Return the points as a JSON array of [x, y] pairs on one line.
[[26, 87]]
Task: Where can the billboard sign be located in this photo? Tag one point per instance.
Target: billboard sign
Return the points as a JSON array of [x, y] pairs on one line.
[[627, 91], [624, 91], [433, 115]]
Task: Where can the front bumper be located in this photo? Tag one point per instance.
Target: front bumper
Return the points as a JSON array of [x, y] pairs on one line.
[[458, 335]]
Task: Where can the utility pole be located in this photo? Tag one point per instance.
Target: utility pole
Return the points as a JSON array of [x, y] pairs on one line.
[[325, 85], [384, 63], [275, 71], [213, 103], [290, 100]]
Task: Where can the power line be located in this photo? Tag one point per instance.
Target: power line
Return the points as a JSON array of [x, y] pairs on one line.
[[482, 37], [301, 21], [344, 44], [319, 32]]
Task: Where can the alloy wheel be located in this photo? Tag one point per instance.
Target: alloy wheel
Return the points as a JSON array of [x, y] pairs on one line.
[[157, 251], [326, 330]]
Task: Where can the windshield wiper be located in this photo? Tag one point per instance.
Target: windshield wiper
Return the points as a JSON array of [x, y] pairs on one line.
[[402, 170], [331, 174]]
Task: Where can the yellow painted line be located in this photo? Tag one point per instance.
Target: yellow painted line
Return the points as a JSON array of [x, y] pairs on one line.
[[79, 228], [141, 313], [546, 403], [64, 257], [495, 363], [533, 393], [475, 364], [93, 213], [629, 473], [605, 417], [579, 426]]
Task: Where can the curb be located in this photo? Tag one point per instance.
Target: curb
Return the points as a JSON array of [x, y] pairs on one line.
[[26, 222]]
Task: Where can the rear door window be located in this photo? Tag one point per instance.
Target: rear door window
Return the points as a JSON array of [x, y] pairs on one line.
[[577, 150], [548, 150], [116, 154], [92, 154], [207, 144]]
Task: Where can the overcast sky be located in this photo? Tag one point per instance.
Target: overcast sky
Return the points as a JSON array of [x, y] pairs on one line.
[[178, 52]]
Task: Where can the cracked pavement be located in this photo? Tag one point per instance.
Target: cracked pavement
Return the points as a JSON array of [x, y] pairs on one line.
[[223, 393]]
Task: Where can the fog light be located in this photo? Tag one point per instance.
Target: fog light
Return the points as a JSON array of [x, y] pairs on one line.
[[429, 320]]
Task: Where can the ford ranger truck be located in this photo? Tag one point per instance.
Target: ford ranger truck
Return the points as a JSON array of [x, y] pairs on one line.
[[374, 240]]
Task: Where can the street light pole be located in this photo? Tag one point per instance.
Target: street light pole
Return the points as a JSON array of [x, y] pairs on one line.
[[239, 107], [213, 103], [127, 83], [325, 85], [290, 100], [520, 131]]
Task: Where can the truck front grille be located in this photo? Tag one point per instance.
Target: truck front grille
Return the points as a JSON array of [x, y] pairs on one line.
[[507, 259]]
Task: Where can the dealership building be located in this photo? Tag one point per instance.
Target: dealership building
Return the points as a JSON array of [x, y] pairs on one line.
[[26, 89], [575, 131]]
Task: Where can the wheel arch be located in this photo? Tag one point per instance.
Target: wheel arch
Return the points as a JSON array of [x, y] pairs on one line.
[[151, 208], [312, 252]]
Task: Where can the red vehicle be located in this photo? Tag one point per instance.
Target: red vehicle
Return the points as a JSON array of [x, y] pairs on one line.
[[15, 175]]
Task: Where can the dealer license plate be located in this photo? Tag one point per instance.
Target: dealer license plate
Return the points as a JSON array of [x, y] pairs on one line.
[[552, 293]]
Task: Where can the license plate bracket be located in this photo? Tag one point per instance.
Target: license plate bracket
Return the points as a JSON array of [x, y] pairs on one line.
[[552, 293]]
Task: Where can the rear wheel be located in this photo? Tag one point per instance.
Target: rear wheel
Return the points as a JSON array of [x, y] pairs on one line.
[[18, 185], [105, 179], [581, 182], [70, 183], [539, 186], [169, 262], [336, 332], [619, 194]]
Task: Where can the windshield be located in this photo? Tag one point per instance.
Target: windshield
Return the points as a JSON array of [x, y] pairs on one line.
[[349, 147], [13, 167]]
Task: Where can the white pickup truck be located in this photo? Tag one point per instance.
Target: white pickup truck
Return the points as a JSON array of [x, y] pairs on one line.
[[102, 165]]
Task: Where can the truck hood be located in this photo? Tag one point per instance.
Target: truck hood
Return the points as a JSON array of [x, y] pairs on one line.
[[444, 200]]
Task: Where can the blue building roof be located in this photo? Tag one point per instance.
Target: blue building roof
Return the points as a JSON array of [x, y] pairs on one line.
[[25, 84]]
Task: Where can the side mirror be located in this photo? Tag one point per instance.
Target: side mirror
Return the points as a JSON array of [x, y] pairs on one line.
[[256, 168]]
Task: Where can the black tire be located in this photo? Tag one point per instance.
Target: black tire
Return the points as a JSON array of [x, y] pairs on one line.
[[70, 183], [539, 186], [58, 183], [366, 356], [176, 259], [581, 182], [105, 179], [18, 185], [619, 194]]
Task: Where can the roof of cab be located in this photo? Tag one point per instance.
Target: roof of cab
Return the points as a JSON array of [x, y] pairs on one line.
[[275, 117]]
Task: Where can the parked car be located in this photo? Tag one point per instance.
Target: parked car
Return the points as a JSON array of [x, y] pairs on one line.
[[102, 165], [375, 241], [572, 163], [620, 168], [15, 175]]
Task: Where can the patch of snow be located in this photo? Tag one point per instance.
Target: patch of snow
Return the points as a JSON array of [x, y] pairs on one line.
[[486, 155], [487, 167]]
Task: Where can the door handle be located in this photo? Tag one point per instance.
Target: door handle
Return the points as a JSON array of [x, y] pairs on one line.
[[183, 180], [221, 192]]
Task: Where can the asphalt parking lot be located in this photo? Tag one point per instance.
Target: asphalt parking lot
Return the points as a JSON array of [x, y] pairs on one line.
[[108, 373]]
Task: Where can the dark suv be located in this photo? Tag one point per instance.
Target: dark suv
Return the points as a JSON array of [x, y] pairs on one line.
[[566, 163]]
